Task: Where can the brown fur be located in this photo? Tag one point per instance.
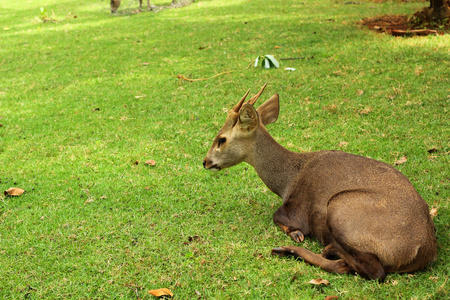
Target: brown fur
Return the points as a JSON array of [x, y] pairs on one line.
[[364, 211]]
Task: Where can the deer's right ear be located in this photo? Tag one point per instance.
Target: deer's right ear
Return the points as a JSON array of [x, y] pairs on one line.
[[248, 118], [269, 110]]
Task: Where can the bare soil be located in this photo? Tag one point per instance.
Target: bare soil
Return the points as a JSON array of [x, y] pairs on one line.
[[405, 25]]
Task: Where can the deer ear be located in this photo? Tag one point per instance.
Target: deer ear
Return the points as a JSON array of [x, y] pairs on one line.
[[269, 110], [248, 118]]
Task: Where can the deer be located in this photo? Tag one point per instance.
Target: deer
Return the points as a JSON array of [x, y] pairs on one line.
[[366, 213]]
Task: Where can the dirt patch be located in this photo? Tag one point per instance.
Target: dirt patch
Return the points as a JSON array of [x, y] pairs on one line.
[[405, 25]]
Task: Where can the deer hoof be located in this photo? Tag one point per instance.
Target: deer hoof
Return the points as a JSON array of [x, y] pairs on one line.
[[297, 236], [279, 251]]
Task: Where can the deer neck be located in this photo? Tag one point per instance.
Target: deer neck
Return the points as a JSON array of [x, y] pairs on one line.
[[276, 166]]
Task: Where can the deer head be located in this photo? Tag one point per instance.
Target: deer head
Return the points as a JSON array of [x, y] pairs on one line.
[[235, 141]]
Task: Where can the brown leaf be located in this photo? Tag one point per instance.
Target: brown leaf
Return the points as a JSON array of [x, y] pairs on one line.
[[161, 292], [151, 162], [360, 92], [402, 160], [433, 212], [319, 281], [365, 111], [343, 144], [14, 192], [331, 297]]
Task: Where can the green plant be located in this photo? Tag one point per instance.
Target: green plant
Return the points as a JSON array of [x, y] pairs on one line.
[[267, 61]]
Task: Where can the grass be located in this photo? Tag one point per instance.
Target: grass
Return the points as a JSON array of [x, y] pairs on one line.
[[85, 101]]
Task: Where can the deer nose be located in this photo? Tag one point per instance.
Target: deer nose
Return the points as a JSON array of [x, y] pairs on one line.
[[204, 164]]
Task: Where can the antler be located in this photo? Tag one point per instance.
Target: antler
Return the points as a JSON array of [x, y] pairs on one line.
[[239, 105], [254, 98]]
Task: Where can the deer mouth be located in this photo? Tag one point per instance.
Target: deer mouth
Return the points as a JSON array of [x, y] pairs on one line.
[[214, 167]]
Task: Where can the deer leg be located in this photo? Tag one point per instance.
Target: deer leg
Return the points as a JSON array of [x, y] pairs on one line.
[[366, 264], [337, 266], [330, 252], [281, 217]]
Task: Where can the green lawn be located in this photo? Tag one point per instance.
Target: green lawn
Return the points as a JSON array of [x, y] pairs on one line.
[[86, 100]]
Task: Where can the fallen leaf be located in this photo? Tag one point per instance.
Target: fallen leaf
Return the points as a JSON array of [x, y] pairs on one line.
[[161, 292], [365, 111], [433, 212], [319, 281], [145, 64], [14, 192], [343, 144], [360, 92], [277, 47], [151, 162], [331, 297], [136, 162], [402, 160]]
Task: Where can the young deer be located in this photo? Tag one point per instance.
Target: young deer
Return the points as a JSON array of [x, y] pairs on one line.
[[367, 214]]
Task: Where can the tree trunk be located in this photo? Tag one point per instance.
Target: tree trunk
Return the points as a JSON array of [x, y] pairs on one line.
[[439, 10]]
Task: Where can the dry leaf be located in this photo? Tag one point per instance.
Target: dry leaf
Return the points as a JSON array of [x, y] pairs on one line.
[[161, 292], [365, 111], [331, 297], [14, 192], [151, 162], [319, 281], [343, 144], [277, 47], [433, 212], [402, 160], [359, 92]]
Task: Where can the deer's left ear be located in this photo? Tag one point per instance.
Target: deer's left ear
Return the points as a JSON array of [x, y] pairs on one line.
[[269, 110], [248, 118]]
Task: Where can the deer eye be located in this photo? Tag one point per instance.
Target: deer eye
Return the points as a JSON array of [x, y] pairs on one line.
[[221, 141]]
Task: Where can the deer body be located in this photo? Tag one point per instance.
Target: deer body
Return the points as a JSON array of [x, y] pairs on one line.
[[366, 213]]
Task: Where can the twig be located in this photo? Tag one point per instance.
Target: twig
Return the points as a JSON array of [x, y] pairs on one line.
[[182, 77], [399, 32]]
